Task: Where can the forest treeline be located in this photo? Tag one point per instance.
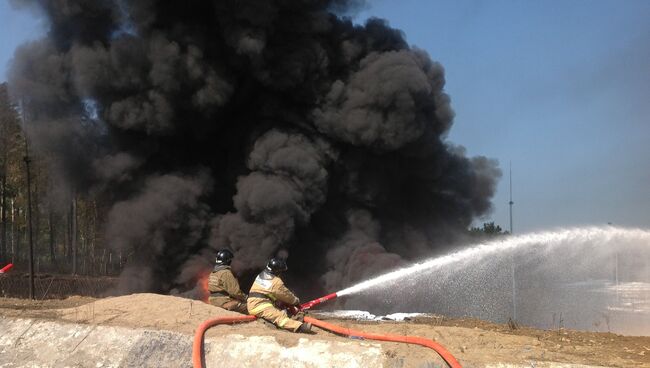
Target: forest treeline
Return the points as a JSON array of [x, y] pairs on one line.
[[66, 236]]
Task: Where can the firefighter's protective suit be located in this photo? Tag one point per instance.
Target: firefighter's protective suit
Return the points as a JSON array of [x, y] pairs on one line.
[[224, 290], [267, 290]]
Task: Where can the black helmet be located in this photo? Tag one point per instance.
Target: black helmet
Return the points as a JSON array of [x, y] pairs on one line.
[[276, 265], [224, 257]]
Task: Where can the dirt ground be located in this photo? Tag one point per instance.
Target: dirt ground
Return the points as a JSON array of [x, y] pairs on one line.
[[472, 342]]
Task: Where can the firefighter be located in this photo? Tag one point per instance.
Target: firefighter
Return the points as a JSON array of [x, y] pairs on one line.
[[223, 286], [267, 291]]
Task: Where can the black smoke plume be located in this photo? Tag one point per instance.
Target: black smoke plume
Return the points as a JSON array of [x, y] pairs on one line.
[[261, 126]]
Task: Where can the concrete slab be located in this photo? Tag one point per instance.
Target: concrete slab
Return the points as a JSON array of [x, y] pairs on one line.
[[41, 343]]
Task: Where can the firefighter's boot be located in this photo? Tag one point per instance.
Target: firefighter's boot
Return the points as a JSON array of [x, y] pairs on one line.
[[305, 328]]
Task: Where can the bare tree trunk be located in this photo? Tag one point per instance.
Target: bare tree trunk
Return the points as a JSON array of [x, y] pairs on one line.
[[93, 237], [25, 236], [3, 198], [68, 234], [84, 255], [74, 234], [13, 230], [3, 214], [110, 261], [51, 234], [36, 209]]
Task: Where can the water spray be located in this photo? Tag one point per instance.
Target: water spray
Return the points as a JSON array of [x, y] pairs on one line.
[[481, 250], [486, 255], [507, 243]]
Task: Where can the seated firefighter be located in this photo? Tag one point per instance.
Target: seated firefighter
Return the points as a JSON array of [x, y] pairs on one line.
[[267, 291], [223, 286]]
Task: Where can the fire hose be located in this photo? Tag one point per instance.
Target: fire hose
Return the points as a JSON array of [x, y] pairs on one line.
[[6, 268], [415, 340], [197, 347]]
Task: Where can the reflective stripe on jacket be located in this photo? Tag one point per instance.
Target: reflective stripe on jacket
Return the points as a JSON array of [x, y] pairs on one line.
[[273, 287]]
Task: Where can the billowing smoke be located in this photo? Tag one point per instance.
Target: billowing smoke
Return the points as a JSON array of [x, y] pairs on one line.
[[287, 184], [261, 126]]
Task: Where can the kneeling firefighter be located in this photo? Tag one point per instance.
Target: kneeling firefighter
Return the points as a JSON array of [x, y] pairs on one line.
[[224, 287], [267, 291]]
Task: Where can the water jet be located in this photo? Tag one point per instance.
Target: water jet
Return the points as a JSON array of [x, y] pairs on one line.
[[596, 278]]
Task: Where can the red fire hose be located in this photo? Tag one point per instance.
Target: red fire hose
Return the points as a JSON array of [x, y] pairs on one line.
[[197, 347], [6, 268], [444, 354], [314, 302]]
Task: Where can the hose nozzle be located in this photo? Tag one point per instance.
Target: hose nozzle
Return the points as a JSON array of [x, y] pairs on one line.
[[320, 300]]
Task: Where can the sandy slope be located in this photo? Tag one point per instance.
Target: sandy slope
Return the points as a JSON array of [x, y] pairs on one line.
[[471, 341]]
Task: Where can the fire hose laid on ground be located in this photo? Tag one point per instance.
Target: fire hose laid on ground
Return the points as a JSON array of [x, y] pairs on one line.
[[197, 347]]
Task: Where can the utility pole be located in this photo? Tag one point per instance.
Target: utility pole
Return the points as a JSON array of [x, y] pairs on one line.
[[31, 235], [511, 202], [29, 209], [512, 263], [618, 295]]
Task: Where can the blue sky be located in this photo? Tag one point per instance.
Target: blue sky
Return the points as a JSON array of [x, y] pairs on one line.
[[16, 27], [559, 88]]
